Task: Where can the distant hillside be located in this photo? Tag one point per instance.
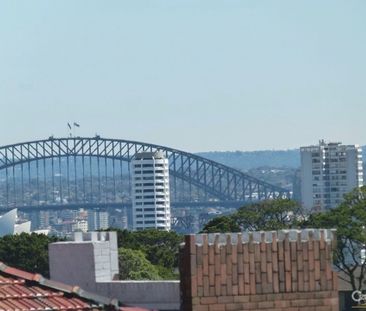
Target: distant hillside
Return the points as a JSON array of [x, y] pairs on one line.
[[246, 160]]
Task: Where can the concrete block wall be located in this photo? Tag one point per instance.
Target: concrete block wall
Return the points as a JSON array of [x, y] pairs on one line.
[[91, 262], [287, 270], [92, 257]]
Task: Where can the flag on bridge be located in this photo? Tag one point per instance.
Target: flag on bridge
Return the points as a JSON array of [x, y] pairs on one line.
[[68, 124], [76, 124]]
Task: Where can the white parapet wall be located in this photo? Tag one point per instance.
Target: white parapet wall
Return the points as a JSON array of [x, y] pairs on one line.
[[91, 262]]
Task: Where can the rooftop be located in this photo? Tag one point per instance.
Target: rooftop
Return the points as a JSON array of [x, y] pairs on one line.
[[21, 290]]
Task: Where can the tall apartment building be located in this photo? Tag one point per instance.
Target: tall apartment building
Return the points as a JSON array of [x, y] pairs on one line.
[[328, 171], [98, 220], [150, 191]]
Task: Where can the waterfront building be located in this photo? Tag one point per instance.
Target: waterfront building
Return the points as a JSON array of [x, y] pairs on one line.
[[150, 191], [328, 172]]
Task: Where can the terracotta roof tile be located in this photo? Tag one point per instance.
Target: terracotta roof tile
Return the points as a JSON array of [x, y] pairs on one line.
[[24, 291]]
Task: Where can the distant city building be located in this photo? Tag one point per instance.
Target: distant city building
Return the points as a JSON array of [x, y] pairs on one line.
[[328, 171], [98, 220], [150, 191], [9, 224], [80, 225], [44, 219]]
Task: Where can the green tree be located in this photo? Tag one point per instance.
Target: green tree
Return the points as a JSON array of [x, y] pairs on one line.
[[133, 265], [161, 247], [221, 224], [349, 218], [265, 215], [26, 251], [268, 215]]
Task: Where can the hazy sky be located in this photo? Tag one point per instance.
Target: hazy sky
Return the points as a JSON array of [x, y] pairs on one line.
[[195, 75]]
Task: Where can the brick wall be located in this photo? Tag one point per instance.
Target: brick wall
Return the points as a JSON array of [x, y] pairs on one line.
[[286, 270]]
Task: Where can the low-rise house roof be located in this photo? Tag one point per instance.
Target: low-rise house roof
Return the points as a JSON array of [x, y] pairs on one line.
[[21, 291]]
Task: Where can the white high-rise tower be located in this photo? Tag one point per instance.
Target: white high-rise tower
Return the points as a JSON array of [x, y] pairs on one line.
[[150, 191], [328, 172]]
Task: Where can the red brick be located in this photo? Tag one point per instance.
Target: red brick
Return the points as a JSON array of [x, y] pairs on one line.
[[217, 264], [300, 281], [208, 300], [235, 274], [257, 298], [240, 264], [287, 260], [222, 255], [288, 283], [263, 261], [233, 307], [211, 255], [199, 257], [205, 264], [250, 305], [257, 253], [229, 246], [229, 265], [316, 250], [235, 290], [223, 290], [241, 287], [282, 303], [331, 301], [223, 274], [229, 286], [276, 283], [217, 307], [206, 286], [190, 241], [246, 273], [225, 299], [241, 298], [217, 285], [234, 253], [266, 304], [258, 272], [251, 263], [252, 284], [246, 253], [269, 273], [317, 270], [199, 272], [200, 291], [204, 243], [293, 250], [274, 241], [299, 302], [211, 272]]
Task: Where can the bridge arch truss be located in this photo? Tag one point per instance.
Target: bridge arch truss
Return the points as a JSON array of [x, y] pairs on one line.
[[218, 183]]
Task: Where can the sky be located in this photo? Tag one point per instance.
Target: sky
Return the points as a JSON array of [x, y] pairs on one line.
[[197, 75]]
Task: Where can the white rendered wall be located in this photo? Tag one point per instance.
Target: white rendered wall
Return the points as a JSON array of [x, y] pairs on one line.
[[91, 262], [91, 258]]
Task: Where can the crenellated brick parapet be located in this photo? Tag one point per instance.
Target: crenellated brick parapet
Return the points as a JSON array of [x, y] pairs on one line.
[[285, 270]]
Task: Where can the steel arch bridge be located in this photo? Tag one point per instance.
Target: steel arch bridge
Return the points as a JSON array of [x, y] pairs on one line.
[[30, 161]]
